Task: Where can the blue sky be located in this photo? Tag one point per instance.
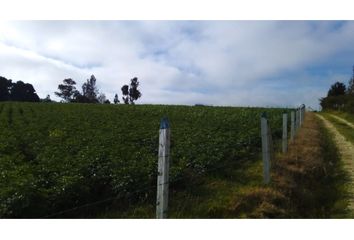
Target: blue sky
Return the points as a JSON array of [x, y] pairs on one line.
[[233, 63]]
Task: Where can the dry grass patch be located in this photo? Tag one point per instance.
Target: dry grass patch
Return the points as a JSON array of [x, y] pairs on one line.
[[259, 202], [302, 184]]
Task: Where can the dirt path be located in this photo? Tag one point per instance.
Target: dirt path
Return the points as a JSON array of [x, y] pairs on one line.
[[346, 150], [342, 120]]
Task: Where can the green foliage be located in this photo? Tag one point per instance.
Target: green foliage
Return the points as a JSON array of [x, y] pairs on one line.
[[58, 156], [116, 99], [339, 103], [337, 89], [90, 90], [67, 90], [340, 97], [350, 89], [17, 91], [131, 93]]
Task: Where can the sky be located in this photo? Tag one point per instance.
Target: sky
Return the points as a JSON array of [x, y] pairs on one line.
[[220, 63]]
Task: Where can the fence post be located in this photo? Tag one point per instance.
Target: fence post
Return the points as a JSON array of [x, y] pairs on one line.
[[265, 148], [297, 124], [292, 126], [300, 116], [163, 169], [285, 133]]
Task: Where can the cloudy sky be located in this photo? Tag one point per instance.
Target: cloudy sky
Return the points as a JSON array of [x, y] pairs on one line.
[[235, 63]]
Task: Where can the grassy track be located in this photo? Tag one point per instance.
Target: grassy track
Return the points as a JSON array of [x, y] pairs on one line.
[[343, 128], [342, 132]]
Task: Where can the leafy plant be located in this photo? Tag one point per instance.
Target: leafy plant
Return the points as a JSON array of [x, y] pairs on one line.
[[58, 156]]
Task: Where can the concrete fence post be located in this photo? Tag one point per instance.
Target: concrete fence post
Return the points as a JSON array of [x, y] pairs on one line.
[[292, 130], [265, 148], [285, 133], [297, 120], [163, 169]]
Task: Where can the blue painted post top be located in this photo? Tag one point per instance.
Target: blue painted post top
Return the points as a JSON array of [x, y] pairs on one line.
[[264, 115], [164, 124]]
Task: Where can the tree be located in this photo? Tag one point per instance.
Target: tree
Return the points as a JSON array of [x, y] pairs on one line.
[[79, 98], [131, 93], [89, 89], [337, 89], [23, 92], [101, 98], [47, 99], [134, 93], [5, 86], [67, 90], [19, 91], [107, 102], [116, 99], [350, 89], [125, 93]]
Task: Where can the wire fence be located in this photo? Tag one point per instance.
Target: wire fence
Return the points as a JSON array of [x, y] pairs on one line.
[[144, 188], [138, 190]]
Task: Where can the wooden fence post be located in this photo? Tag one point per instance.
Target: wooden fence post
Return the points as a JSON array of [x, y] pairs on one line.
[[265, 148], [163, 169], [292, 126], [300, 117], [285, 133]]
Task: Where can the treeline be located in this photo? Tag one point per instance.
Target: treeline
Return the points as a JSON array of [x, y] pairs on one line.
[[25, 92], [340, 97], [17, 91], [91, 94]]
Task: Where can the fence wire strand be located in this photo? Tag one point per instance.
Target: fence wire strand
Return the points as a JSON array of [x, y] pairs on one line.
[[141, 189], [137, 191]]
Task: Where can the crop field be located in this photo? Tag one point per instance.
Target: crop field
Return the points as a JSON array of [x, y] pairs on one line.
[[58, 156]]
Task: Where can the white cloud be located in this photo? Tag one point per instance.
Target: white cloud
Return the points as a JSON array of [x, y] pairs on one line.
[[179, 62]]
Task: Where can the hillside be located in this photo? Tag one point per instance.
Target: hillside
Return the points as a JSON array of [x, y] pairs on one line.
[[100, 161], [58, 156]]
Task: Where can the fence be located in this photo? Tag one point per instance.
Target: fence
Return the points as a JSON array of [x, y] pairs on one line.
[[296, 120], [267, 152], [163, 169]]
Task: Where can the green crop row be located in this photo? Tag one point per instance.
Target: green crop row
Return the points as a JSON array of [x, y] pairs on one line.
[[58, 156]]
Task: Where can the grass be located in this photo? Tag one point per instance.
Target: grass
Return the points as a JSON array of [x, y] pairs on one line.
[[334, 193], [342, 179], [344, 129], [89, 153], [209, 196], [347, 116], [63, 156], [310, 176], [307, 182]]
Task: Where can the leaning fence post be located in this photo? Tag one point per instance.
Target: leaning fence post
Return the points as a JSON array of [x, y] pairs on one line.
[[163, 168], [292, 126], [265, 148], [285, 133]]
